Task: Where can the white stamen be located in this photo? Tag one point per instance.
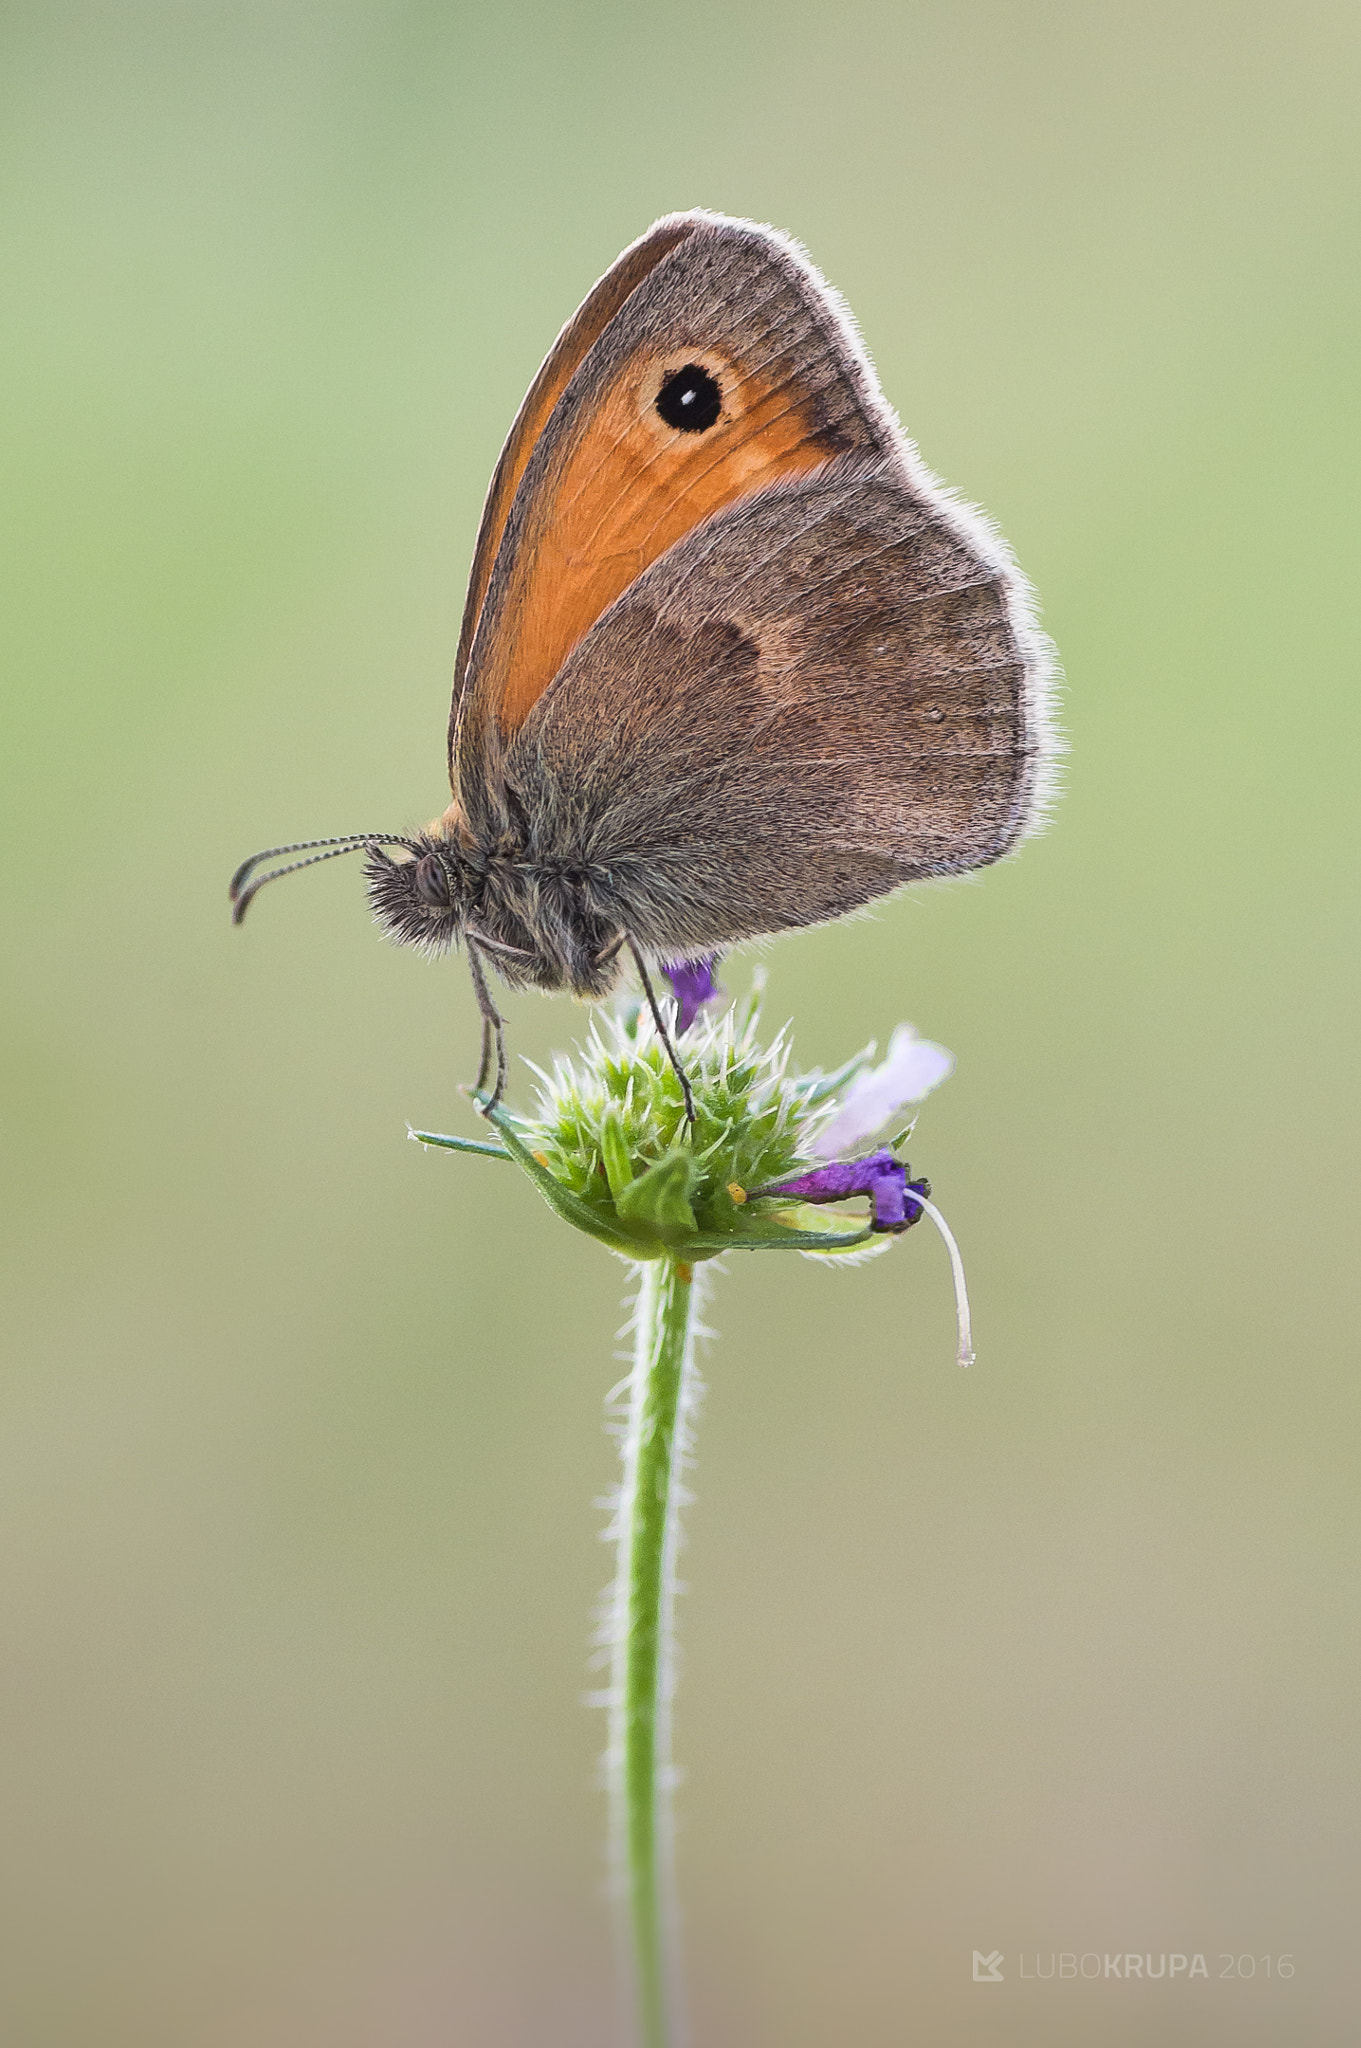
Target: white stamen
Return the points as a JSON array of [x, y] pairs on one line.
[[965, 1353]]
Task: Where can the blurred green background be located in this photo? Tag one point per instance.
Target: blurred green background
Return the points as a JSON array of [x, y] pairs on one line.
[[301, 1428]]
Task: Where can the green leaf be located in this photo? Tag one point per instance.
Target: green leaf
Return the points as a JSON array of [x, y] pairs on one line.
[[829, 1241], [459, 1144], [614, 1152], [815, 1089], [659, 1200]]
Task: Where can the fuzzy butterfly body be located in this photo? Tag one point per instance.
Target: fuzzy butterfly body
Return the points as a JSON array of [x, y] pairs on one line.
[[731, 661]]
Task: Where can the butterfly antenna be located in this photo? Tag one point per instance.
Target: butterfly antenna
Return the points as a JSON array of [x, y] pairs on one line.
[[662, 1032], [242, 891], [493, 1033]]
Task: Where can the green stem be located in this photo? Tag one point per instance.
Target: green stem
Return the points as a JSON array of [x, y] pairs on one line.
[[661, 1390]]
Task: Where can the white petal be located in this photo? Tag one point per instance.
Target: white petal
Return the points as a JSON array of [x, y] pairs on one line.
[[913, 1067]]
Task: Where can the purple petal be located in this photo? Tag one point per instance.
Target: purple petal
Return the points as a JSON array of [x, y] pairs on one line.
[[911, 1069], [693, 985], [882, 1177]]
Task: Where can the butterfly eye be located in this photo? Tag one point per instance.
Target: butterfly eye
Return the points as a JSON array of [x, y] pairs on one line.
[[432, 882], [690, 400]]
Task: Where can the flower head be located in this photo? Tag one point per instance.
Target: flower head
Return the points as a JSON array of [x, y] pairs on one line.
[[608, 1145]]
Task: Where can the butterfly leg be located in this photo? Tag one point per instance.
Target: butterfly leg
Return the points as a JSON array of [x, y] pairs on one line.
[[493, 1032], [662, 1032]]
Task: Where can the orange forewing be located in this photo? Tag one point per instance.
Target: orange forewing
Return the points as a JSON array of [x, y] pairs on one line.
[[587, 323], [624, 489]]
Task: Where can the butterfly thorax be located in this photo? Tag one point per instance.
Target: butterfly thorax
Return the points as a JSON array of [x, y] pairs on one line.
[[541, 923]]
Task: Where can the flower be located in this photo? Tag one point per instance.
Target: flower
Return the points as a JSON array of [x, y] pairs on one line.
[[880, 1176], [693, 985], [912, 1068]]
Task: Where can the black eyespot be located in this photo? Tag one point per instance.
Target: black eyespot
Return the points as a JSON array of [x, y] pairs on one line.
[[432, 882], [690, 399]]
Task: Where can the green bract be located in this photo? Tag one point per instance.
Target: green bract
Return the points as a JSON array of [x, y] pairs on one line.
[[609, 1149]]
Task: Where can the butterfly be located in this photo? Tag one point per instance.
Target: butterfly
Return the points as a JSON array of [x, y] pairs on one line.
[[732, 661]]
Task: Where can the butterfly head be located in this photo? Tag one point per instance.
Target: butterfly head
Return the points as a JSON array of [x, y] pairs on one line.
[[437, 889], [421, 894], [432, 889]]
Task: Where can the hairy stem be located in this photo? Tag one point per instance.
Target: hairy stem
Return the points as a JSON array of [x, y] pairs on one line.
[[661, 1390]]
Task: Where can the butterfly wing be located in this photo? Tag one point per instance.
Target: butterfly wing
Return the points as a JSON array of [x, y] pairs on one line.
[[829, 689], [606, 470]]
